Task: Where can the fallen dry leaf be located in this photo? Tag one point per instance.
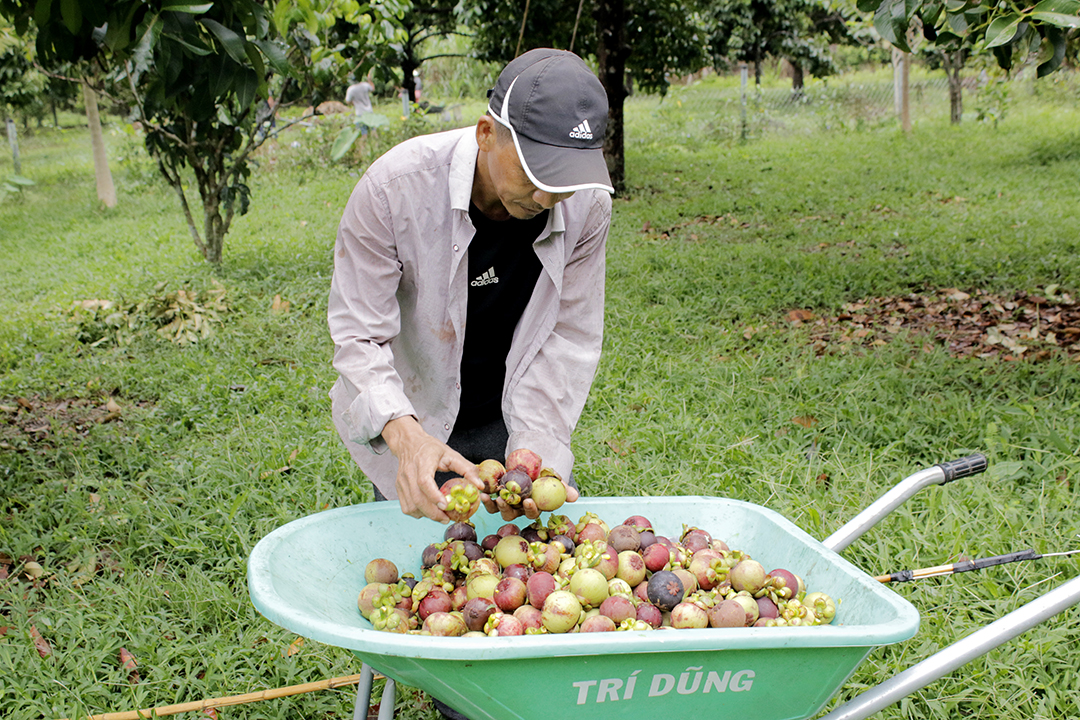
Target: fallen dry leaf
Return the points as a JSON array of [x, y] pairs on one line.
[[279, 306], [294, 647], [40, 644], [971, 323], [129, 663]]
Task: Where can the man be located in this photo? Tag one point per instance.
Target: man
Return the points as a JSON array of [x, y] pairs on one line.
[[359, 94], [466, 306]]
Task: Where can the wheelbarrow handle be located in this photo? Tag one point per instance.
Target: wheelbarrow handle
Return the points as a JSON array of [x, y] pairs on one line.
[[961, 652], [935, 475], [963, 467]]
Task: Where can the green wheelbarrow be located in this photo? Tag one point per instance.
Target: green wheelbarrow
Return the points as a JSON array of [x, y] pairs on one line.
[[305, 577]]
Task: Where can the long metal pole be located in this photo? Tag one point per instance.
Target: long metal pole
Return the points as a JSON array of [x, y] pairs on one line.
[[959, 653]]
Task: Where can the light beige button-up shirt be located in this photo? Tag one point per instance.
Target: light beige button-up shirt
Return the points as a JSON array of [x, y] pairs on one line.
[[397, 308]]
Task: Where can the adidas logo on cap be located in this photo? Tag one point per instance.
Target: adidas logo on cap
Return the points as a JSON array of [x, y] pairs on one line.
[[582, 131]]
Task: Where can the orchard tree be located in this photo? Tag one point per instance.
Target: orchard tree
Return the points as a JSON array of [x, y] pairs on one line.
[[423, 21], [199, 73], [334, 41], [799, 31], [639, 41], [957, 29]]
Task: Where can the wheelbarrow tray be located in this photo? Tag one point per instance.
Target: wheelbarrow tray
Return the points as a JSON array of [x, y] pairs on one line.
[[306, 575]]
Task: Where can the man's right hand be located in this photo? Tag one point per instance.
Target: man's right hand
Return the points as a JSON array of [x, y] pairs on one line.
[[420, 456]]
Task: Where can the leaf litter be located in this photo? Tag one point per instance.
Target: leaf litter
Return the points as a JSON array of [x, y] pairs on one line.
[[978, 324]]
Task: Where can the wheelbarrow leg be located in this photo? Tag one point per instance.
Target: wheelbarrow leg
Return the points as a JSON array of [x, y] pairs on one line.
[[389, 700], [363, 696]]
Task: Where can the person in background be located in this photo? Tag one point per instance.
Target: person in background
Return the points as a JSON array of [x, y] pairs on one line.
[[359, 95], [467, 301]]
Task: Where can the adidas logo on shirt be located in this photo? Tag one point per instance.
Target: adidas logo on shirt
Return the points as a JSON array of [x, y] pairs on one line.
[[488, 278], [582, 131]]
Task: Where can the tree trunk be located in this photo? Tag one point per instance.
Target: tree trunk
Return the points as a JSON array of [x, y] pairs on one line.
[[612, 51], [797, 78], [106, 191], [213, 230], [901, 62], [13, 140], [954, 63]]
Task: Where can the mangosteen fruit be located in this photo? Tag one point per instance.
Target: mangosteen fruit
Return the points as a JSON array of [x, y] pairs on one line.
[[748, 575], [624, 537], [665, 590], [561, 612], [727, 614], [510, 594], [460, 531], [649, 613], [783, 583], [476, 612], [589, 586], [511, 550], [462, 499], [540, 585], [618, 608], [688, 616], [381, 570], [631, 567], [515, 487], [549, 493], [526, 460], [490, 472], [444, 624], [597, 623]]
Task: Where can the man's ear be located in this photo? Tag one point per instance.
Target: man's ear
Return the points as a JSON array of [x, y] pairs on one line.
[[486, 133]]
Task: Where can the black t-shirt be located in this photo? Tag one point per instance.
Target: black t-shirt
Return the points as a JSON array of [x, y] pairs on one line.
[[503, 269]]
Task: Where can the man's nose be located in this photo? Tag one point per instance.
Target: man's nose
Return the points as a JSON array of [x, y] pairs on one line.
[[549, 200]]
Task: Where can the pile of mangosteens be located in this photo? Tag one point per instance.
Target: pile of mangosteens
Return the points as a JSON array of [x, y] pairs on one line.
[[561, 576], [522, 477]]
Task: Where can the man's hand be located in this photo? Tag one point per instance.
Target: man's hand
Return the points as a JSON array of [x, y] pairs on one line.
[[420, 456], [495, 504]]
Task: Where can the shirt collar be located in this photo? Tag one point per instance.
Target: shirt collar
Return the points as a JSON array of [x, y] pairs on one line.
[[462, 169]]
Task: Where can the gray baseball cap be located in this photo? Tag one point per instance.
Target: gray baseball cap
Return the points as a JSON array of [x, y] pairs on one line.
[[556, 110]]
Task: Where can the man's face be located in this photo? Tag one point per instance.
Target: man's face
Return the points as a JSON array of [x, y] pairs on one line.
[[508, 181]]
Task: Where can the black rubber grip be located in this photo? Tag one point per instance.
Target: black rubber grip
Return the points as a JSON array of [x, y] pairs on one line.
[[963, 467]]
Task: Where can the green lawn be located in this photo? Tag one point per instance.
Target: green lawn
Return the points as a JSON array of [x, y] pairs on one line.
[[143, 525]]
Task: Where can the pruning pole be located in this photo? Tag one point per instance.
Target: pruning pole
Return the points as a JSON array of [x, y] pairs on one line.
[[209, 703]]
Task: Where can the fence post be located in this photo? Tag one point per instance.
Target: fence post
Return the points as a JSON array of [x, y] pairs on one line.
[[742, 80]]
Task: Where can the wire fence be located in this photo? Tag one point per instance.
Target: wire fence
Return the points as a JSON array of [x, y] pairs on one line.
[[719, 107]]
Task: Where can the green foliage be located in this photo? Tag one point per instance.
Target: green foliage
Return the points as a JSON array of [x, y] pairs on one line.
[[654, 38], [798, 30], [1007, 31]]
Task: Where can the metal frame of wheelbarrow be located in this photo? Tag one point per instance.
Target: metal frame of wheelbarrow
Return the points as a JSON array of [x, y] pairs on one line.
[[908, 681]]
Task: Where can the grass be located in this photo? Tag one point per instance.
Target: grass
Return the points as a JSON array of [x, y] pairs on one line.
[[145, 524]]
